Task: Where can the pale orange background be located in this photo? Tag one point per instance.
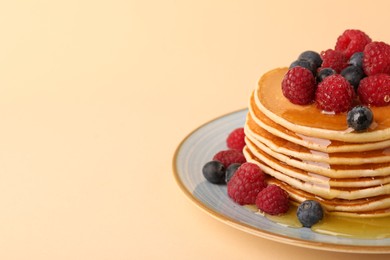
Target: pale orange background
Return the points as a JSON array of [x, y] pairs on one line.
[[95, 96]]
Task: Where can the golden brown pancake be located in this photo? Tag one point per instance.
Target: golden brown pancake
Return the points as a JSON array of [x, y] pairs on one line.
[[367, 206], [315, 155], [309, 120], [320, 144], [279, 145]]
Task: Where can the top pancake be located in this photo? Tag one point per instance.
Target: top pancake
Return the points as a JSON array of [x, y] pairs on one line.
[[258, 120], [309, 120]]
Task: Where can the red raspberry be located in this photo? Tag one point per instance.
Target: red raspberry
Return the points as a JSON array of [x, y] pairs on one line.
[[375, 90], [335, 94], [334, 59], [376, 58], [298, 86], [236, 139], [227, 157], [273, 200], [352, 41], [246, 183]]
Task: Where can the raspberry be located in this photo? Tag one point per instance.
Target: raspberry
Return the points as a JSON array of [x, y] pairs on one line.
[[227, 157], [246, 183], [334, 59], [273, 200], [236, 139], [375, 90], [334, 94], [376, 58], [352, 41], [298, 86]]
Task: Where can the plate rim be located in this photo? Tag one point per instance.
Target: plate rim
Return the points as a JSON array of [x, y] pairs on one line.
[[325, 246]]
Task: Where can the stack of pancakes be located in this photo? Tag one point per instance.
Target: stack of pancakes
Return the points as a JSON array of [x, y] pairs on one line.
[[314, 155]]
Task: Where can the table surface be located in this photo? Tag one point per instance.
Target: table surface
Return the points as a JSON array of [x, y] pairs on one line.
[[95, 96]]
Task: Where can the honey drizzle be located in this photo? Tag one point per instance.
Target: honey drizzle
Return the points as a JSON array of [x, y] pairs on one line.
[[273, 100], [342, 226]]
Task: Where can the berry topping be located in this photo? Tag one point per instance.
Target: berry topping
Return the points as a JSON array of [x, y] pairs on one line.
[[236, 139], [352, 41], [309, 213], [312, 57], [273, 200], [356, 59], [375, 90], [334, 94], [353, 74], [214, 172], [231, 170], [324, 72], [298, 86], [334, 59], [246, 183], [360, 118], [376, 58], [227, 157]]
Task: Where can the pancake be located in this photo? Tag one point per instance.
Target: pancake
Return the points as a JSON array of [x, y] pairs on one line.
[[279, 145], [314, 155], [323, 190], [376, 205], [323, 171], [315, 143], [309, 120]]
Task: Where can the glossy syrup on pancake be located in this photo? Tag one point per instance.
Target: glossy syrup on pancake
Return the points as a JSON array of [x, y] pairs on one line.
[[289, 141], [309, 120]]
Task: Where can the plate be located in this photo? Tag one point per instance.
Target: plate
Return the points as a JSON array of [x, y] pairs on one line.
[[199, 147]]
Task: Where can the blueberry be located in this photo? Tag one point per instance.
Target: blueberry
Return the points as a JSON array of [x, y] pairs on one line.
[[323, 73], [353, 74], [309, 213], [356, 59], [360, 118], [231, 169], [303, 63], [214, 172], [311, 56]]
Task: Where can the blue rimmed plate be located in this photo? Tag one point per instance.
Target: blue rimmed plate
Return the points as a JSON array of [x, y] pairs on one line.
[[199, 147]]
